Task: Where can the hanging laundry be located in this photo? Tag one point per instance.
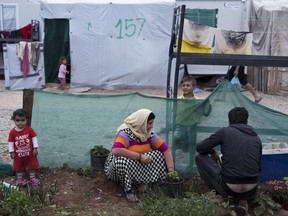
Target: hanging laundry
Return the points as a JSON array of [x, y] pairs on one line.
[[26, 31], [4, 34], [232, 42], [16, 34], [35, 53], [197, 38], [20, 49], [23, 54]]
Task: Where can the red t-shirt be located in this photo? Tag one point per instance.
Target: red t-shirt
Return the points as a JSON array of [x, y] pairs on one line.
[[23, 148]]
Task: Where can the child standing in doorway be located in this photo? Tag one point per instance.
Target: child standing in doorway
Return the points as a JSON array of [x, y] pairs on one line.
[[62, 72], [23, 148]]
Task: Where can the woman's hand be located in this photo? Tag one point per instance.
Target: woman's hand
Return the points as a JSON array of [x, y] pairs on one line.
[[12, 155], [145, 159]]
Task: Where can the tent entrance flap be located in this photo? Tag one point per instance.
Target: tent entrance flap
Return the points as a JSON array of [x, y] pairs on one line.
[[57, 44]]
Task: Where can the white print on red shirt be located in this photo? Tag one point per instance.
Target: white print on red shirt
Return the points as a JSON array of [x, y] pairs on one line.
[[22, 144]]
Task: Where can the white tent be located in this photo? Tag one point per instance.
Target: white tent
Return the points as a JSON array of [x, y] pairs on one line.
[[116, 44]]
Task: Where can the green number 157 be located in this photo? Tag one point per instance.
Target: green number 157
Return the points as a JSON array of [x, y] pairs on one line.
[[130, 27]]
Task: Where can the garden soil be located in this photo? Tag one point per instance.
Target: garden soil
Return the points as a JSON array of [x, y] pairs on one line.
[[93, 195]]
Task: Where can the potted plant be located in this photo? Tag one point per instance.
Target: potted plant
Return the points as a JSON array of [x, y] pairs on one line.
[[98, 157], [279, 191], [173, 184]]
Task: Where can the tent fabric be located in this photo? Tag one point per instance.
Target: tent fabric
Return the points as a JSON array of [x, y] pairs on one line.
[[116, 44], [267, 21], [107, 1], [68, 125]]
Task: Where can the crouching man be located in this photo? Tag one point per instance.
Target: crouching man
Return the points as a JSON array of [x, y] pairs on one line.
[[236, 172]]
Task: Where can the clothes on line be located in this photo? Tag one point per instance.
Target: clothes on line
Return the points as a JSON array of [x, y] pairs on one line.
[[28, 53], [198, 38]]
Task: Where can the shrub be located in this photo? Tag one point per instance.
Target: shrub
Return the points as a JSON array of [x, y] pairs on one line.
[[192, 204], [18, 203], [278, 189], [99, 150]]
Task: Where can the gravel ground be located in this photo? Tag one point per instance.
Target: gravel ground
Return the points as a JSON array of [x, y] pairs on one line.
[[11, 100]]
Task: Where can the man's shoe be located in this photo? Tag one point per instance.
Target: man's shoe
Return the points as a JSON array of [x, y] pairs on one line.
[[241, 210]]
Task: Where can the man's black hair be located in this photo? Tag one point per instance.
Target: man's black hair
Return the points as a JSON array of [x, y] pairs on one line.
[[238, 115]]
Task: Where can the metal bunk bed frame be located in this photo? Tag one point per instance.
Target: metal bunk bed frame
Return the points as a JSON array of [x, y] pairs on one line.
[[207, 59]]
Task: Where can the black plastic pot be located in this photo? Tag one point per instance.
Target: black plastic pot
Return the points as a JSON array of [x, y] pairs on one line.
[[98, 161], [173, 189]]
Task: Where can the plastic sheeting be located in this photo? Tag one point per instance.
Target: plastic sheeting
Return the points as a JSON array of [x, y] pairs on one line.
[[116, 44], [268, 22]]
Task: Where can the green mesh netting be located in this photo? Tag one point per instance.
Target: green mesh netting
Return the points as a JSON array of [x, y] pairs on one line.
[[68, 125], [203, 16]]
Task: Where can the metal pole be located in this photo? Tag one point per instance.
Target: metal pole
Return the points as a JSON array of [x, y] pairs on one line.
[[179, 45], [171, 50]]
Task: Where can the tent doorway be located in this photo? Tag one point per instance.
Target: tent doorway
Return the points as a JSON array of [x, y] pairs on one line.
[[57, 44]]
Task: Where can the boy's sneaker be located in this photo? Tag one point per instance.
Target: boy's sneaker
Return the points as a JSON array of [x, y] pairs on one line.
[[21, 182], [34, 181]]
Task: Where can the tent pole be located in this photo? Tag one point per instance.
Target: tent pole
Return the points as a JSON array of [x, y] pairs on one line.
[[179, 45]]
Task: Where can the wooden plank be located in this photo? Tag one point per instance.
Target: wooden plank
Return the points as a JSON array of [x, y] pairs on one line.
[[28, 96]]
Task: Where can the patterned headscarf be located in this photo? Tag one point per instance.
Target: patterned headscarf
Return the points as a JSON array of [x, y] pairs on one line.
[[137, 123]]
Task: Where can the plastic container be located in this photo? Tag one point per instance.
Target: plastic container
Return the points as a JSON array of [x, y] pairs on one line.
[[173, 189], [98, 161], [274, 164], [8, 187]]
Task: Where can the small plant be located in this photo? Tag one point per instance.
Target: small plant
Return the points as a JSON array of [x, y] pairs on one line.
[[87, 171], [264, 203], [193, 204], [172, 177], [43, 194], [196, 185], [99, 150]]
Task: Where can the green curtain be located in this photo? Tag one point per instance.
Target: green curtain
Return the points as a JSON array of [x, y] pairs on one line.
[[203, 16], [56, 43]]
